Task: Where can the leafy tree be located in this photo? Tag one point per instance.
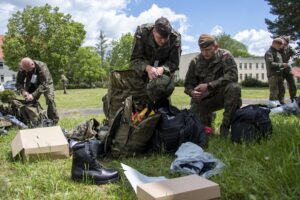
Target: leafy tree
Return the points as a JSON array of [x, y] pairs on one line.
[[288, 18], [86, 66], [101, 46], [42, 33], [121, 51], [237, 48]]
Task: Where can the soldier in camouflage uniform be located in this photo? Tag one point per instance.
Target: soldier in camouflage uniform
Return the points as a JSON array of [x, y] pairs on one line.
[[64, 82], [211, 81], [34, 79], [156, 50], [287, 52], [275, 66]]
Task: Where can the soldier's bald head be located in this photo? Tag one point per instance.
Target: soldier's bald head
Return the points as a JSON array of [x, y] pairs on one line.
[[27, 64]]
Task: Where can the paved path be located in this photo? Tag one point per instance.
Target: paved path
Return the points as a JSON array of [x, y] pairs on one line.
[[97, 111]]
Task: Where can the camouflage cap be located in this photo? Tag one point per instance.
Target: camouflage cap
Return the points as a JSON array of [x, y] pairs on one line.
[[163, 27], [287, 38], [205, 40], [160, 88]]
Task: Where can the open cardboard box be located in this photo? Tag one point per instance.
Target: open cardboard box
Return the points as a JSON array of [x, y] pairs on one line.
[[47, 142], [192, 187]]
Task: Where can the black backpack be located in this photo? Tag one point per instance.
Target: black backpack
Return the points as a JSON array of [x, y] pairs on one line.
[[176, 127], [251, 123]]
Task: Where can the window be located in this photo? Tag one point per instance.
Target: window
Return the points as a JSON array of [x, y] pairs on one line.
[[241, 77], [246, 76], [262, 76], [2, 78], [250, 75], [14, 77], [256, 65], [241, 66], [1, 65], [245, 65], [262, 65], [250, 65], [257, 76]]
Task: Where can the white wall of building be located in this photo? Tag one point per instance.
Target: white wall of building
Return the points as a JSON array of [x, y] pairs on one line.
[[5, 73]]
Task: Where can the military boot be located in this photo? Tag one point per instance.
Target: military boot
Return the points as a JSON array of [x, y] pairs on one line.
[[224, 131], [85, 167]]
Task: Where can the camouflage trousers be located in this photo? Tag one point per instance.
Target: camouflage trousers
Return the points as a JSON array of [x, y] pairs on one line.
[[289, 77], [227, 97], [51, 106], [276, 88]]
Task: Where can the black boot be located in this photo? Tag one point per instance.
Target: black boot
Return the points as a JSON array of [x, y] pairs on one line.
[[85, 167]]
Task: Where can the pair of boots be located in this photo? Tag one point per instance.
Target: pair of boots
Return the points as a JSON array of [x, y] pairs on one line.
[[85, 167]]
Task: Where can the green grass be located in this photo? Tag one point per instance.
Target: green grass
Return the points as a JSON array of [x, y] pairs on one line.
[[91, 98], [269, 170]]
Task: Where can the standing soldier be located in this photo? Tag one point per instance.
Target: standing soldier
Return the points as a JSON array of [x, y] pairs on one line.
[[34, 79], [287, 52], [155, 56], [64, 82], [211, 82], [275, 66]]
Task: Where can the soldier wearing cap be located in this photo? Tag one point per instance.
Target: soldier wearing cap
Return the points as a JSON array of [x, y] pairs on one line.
[[287, 52], [33, 80], [211, 82], [156, 51], [275, 66]]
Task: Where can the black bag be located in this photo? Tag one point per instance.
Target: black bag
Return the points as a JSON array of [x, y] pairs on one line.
[[176, 127], [251, 123]]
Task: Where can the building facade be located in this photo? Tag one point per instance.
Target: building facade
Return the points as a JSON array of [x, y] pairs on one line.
[[5, 73]]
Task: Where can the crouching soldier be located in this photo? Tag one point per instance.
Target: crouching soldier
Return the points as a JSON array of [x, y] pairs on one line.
[[211, 82]]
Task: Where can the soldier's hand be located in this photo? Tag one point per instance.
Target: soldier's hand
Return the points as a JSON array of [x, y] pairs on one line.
[[196, 95], [160, 70], [24, 93], [29, 97], [285, 65], [201, 87], [152, 72]]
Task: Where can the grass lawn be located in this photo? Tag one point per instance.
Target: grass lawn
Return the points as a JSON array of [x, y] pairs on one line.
[[269, 170], [91, 98]]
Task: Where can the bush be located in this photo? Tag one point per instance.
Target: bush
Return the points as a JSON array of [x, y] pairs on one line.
[[252, 82], [7, 96]]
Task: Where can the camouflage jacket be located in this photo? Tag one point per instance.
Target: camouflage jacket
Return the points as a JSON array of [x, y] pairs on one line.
[[42, 83], [219, 71], [287, 54], [146, 52], [274, 62]]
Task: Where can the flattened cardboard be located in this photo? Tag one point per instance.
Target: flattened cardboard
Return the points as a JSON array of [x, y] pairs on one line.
[[192, 187], [37, 142]]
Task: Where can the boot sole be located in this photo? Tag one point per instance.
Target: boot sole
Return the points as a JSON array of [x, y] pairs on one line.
[[91, 181]]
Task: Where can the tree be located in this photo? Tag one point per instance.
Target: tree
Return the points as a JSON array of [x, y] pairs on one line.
[[101, 46], [288, 18], [121, 51], [86, 66], [42, 33], [237, 48]]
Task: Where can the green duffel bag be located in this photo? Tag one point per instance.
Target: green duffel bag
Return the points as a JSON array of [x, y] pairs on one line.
[[128, 139]]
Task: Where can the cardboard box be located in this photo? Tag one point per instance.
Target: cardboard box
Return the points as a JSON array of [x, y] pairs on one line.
[[188, 188], [48, 142]]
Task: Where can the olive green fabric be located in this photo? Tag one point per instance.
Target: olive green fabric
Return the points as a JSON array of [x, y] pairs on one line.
[[127, 139], [160, 88]]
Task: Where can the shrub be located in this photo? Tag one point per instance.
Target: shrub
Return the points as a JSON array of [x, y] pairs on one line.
[[252, 82], [179, 83]]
